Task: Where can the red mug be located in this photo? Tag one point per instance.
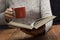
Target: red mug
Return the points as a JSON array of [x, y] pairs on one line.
[[20, 12]]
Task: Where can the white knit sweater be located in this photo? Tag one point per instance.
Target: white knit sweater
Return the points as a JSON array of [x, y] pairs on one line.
[[34, 10]]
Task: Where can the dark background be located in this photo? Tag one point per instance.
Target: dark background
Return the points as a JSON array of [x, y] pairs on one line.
[[55, 6]]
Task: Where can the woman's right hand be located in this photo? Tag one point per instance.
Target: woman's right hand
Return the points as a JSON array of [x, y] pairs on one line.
[[9, 13]]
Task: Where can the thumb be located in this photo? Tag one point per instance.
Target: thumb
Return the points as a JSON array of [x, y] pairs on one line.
[[13, 9]]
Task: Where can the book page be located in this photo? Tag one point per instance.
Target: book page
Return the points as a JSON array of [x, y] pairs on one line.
[[43, 21], [20, 25]]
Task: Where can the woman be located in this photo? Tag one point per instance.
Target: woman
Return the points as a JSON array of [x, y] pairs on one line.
[[34, 9]]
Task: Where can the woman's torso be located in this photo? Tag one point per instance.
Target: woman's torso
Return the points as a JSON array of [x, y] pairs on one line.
[[32, 9]]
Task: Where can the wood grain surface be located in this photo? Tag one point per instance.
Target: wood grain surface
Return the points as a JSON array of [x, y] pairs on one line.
[[16, 34]]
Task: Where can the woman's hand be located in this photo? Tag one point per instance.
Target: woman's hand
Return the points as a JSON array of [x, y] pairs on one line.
[[9, 13]]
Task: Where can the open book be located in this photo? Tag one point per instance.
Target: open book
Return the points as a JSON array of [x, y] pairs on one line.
[[36, 24]]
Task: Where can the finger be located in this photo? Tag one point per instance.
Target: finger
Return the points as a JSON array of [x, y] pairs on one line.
[[10, 13], [8, 16], [7, 12], [13, 9], [10, 9]]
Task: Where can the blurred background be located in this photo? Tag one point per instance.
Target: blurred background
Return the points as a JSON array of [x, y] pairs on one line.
[[55, 6]]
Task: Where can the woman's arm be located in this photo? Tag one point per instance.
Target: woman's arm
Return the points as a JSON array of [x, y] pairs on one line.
[[3, 7], [2, 19], [46, 12]]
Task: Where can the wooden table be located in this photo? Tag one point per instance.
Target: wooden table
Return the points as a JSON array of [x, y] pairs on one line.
[[16, 34]]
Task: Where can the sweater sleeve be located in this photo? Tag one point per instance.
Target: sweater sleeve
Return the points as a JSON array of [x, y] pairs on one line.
[[3, 7], [46, 12], [2, 19]]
